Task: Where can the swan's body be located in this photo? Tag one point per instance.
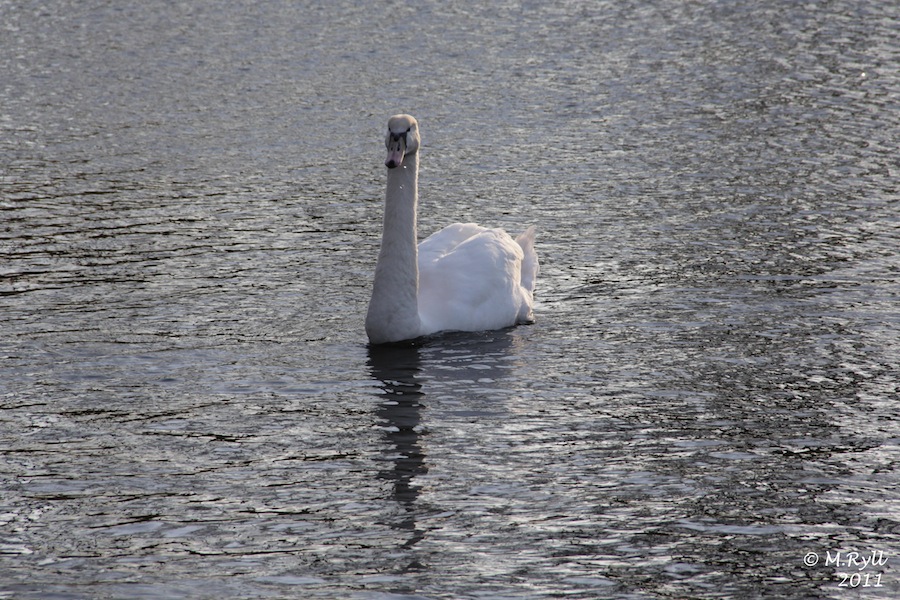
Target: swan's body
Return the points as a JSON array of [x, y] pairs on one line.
[[462, 278]]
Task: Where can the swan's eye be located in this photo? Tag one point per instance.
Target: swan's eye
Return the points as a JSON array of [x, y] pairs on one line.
[[408, 129]]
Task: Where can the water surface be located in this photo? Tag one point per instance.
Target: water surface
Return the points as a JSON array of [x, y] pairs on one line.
[[190, 204]]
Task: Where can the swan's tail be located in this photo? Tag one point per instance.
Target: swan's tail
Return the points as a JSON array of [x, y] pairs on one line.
[[530, 267]]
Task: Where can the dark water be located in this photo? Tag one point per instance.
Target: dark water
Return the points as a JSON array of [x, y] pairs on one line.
[[189, 214]]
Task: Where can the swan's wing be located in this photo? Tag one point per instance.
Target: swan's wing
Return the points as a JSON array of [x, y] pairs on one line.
[[530, 266], [470, 280], [446, 240]]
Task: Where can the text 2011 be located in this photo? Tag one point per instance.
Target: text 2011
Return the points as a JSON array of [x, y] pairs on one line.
[[858, 580]]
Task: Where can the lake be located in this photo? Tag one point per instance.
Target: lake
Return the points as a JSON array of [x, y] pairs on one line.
[[190, 210]]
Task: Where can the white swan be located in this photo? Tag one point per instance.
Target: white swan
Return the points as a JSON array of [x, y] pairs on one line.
[[462, 278]]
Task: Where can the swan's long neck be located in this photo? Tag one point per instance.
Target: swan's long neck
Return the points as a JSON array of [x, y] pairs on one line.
[[394, 309]]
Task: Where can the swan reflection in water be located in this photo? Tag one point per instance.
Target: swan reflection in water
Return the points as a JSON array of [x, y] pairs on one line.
[[401, 411], [455, 361]]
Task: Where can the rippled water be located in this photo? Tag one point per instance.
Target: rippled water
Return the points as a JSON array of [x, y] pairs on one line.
[[190, 201]]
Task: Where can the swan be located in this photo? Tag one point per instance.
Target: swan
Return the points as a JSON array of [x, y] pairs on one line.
[[462, 278]]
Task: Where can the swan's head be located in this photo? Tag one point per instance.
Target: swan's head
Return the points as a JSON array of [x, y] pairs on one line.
[[402, 139]]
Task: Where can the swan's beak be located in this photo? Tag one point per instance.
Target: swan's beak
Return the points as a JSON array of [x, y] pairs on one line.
[[396, 148]]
